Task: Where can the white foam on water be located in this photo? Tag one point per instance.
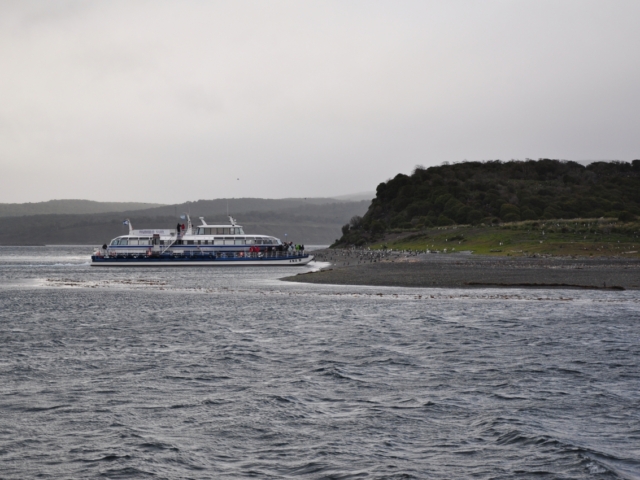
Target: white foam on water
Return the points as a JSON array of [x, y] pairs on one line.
[[315, 266]]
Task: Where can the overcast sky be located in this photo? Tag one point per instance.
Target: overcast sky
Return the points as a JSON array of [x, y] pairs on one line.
[[173, 101]]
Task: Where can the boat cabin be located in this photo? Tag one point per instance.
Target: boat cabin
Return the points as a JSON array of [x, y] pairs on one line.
[[202, 235]]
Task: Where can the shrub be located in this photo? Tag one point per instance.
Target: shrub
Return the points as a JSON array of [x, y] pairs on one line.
[[510, 217], [626, 217], [509, 213], [528, 214], [355, 222], [443, 221], [474, 217]]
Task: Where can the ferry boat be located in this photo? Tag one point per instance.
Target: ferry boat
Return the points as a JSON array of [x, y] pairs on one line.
[[204, 245]]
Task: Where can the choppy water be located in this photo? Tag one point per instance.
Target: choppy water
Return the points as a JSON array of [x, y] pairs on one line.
[[213, 373]]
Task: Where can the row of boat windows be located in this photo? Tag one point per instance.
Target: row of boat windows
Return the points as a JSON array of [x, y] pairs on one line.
[[219, 231], [215, 241]]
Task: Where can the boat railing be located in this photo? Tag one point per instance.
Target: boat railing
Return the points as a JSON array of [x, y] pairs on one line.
[[206, 254]]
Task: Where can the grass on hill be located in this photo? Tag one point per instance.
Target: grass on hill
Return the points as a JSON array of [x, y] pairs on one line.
[[577, 237]]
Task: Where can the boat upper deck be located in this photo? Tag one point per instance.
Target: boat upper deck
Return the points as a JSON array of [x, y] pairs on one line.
[[204, 234]]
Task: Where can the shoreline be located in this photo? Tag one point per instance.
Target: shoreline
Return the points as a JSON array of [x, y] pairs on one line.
[[397, 269]]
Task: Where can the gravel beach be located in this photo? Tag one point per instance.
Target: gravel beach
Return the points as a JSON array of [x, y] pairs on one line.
[[460, 270]]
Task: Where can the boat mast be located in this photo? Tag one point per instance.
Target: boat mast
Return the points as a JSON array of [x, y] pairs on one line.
[[185, 216]]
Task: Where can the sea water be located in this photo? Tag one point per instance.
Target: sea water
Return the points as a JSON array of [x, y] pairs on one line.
[[230, 372]]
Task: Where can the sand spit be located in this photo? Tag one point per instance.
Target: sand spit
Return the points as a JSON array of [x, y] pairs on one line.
[[400, 269]]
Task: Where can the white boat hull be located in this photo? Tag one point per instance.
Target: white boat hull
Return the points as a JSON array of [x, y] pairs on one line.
[[182, 262]]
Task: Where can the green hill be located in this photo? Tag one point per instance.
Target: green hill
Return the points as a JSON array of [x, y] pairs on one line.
[[495, 192]]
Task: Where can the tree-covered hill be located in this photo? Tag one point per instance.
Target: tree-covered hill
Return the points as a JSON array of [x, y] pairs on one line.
[[494, 192]]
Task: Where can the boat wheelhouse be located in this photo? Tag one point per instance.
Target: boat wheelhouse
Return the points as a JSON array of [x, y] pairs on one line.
[[202, 245]]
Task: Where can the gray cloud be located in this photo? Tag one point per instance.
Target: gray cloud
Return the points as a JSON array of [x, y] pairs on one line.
[[167, 101]]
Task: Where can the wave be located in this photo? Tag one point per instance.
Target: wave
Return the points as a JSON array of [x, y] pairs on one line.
[[44, 265]]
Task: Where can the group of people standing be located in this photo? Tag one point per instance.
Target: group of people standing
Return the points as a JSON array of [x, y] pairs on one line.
[[290, 247]]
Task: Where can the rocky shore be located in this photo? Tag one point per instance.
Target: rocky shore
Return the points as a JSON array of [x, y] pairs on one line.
[[405, 269]]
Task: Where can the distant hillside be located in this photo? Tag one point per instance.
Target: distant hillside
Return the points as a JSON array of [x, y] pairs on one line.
[[355, 197], [200, 207], [493, 192], [303, 221], [69, 207], [237, 206]]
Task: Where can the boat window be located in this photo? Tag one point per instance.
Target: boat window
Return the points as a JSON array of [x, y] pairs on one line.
[[115, 241], [161, 242], [206, 242], [133, 241], [189, 242], [240, 231], [218, 241], [144, 241], [204, 231], [229, 241], [239, 241], [124, 241], [250, 241]]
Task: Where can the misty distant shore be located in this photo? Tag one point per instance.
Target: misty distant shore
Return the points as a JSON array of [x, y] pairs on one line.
[[310, 221], [353, 267]]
